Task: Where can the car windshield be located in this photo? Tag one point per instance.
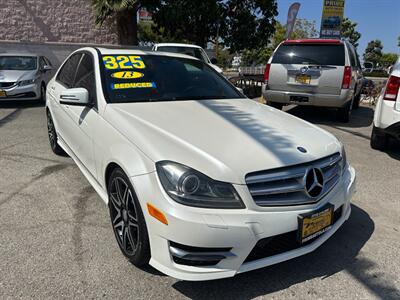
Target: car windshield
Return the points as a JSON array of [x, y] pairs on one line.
[[192, 51], [315, 54], [18, 63], [139, 78]]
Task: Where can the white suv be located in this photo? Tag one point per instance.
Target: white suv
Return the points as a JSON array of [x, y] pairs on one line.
[[314, 72], [200, 182], [387, 111]]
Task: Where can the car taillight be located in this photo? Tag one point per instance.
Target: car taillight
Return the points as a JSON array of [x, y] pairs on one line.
[[266, 73], [392, 88], [346, 78]]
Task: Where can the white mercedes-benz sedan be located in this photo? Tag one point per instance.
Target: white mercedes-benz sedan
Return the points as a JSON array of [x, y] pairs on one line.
[[201, 182]]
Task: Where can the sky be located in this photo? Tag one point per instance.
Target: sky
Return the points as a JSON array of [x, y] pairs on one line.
[[377, 19]]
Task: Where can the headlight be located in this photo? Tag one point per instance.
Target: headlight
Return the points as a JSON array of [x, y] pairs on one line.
[[343, 162], [26, 82], [190, 187]]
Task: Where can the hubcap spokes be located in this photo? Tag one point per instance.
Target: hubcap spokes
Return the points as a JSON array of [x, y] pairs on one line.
[[50, 130], [124, 215]]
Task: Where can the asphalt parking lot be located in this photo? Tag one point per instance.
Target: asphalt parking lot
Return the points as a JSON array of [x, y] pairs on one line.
[[56, 240]]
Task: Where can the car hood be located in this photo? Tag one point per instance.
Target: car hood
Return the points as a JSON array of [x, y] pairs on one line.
[[224, 139], [13, 76]]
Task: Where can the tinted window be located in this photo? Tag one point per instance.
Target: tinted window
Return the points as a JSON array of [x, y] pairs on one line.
[[133, 78], [85, 76], [320, 54], [18, 63], [195, 52], [352, 56], [67, 73]]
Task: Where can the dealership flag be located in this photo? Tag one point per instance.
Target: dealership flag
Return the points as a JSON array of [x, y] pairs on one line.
[[291, 18]]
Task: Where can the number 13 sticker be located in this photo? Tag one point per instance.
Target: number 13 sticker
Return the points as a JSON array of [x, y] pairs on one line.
[[123, 62]]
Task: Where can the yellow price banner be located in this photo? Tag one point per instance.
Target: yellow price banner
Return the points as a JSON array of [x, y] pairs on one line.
[[114, 62]]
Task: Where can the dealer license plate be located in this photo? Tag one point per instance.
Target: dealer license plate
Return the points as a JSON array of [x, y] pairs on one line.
[[303, 78], [315, 223]]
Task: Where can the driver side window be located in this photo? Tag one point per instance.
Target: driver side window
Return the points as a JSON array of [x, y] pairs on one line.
[[85, 76]]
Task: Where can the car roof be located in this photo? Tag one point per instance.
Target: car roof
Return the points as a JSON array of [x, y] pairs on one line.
[[110, 51], [176, 45], [18, 54], [313, 41]]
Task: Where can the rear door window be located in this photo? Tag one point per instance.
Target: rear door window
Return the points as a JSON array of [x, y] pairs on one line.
[[310, 54], [85, 76]]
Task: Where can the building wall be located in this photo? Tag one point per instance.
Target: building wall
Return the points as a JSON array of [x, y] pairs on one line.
[[64, 21]]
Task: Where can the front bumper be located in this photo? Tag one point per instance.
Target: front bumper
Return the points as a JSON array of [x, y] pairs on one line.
[[26, 92], [236, 231]]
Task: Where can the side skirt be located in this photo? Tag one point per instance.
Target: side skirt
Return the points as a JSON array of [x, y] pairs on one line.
[[93, 182]]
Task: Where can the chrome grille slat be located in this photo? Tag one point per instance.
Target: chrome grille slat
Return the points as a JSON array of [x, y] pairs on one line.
[[294, 187], [286, 186]]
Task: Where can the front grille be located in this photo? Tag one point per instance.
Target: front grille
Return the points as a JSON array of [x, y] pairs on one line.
[[6, 84], [284, 242], [287, 185]]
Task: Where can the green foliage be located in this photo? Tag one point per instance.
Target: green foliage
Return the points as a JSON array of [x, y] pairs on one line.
[[105, 8], [237, 24], [224, 58], [388, 59], [248, 23], [195, 21], [149, 34], [253, 57], [349, 31], [373, 52], [124, 13]]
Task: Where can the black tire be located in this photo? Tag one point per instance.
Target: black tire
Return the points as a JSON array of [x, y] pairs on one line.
[[378, 139], [52, 133], [343, 113], [356, 102], [127, 219], [275, 105]]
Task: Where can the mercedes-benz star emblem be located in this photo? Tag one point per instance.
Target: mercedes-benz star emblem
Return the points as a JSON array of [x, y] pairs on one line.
[[314, 182]]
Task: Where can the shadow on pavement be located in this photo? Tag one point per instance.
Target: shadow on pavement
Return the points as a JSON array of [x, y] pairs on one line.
[[337, 254], [20, 103], [361, 117]]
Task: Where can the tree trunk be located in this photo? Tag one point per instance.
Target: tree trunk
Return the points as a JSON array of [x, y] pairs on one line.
[[127, 27]]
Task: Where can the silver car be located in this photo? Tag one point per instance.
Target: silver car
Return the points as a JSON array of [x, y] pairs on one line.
[[314, 72], [23, 76]]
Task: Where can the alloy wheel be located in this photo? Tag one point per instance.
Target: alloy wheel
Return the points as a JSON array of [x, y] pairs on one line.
[[124, 216], [51, 132]]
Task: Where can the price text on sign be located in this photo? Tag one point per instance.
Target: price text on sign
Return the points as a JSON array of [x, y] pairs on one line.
[[123, 62]]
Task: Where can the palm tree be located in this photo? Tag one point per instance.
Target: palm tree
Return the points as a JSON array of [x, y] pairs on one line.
[[124, 12]]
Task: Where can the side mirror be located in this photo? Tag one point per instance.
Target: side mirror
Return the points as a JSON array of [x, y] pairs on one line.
[[214, 61], [47, 68], [75, 96]]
